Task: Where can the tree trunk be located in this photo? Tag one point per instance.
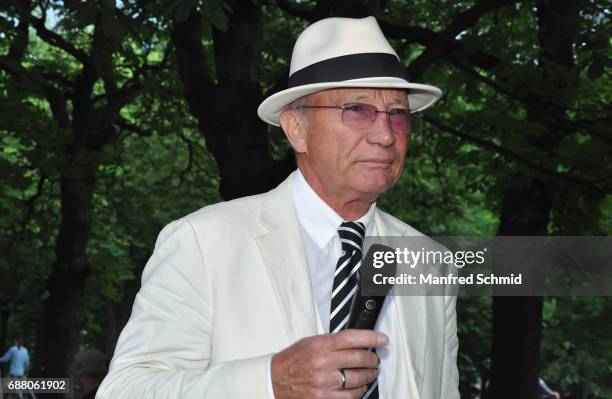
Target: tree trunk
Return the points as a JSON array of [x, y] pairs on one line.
[[240, 139], [517, 321], [225, 110], [62, 318], [526, 207]]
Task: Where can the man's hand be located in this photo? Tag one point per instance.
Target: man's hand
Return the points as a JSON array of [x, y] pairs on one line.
[[310, 368]]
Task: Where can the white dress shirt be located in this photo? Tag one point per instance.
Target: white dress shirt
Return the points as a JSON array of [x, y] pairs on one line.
[[322, 246]]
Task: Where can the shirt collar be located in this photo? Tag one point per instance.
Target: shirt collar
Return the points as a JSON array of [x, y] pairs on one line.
[[317, 218]]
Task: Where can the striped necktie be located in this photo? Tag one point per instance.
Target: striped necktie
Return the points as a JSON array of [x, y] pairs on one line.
[[345, 277], [345, 283]]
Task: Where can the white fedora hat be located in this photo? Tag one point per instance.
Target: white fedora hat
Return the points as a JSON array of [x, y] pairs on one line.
[[344, 52]]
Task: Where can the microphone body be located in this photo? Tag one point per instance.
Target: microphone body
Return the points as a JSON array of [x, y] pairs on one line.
[[365, 309]]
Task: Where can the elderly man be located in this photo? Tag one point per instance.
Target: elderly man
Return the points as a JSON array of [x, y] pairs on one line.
[[250, 298]]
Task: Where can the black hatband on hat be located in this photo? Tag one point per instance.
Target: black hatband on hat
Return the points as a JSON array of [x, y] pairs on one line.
[[346, 67]]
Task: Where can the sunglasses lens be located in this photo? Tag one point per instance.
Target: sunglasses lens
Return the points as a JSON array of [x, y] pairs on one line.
[[362, 116], [359, 116], [400, 120]]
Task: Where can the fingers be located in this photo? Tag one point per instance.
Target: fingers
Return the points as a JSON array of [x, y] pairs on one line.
[[357, 339], [353, 358], [311, 367], [358, 378]]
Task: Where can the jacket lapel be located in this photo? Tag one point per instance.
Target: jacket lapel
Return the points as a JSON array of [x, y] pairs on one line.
[[282, 252], [410, 316]]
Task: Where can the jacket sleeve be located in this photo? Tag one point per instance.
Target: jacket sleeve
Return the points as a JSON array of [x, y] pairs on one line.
[[7, 356], [164, 351], [450, 373]]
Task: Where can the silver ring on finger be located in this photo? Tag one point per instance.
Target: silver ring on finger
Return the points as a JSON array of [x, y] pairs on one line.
[[343, 375]]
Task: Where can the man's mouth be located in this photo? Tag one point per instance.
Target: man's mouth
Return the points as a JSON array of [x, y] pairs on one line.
[[377, 162]]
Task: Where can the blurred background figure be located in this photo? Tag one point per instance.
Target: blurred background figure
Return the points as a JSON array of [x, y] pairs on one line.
[[19, 362], [88, 370], [18, 358]]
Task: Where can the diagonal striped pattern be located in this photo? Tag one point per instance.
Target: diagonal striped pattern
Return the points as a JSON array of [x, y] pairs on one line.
[[345, 283], [345, 277], [372, 392]]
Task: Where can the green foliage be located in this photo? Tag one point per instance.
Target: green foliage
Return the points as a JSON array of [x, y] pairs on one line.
[[481, 133], [576, 355]]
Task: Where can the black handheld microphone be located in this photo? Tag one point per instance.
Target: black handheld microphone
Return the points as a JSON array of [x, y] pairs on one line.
[[365, 309]]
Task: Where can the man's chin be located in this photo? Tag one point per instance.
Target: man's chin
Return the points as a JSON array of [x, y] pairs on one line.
[[373, 186]]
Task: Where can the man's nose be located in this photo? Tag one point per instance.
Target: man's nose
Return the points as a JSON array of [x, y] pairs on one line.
[[381, 131]]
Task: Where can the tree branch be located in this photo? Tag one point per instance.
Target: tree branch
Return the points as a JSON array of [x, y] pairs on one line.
[[461, 22], [191, 60], [554, 119], [56, 77], [125, 125], [470, 71], [57, 102], [34, 77], [11, 62], [30, 205], [513, 156], [184, 172], [58, 41], [20, 43], [427, 37]]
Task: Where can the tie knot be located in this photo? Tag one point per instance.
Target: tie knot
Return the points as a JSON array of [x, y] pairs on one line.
[[351, 235]]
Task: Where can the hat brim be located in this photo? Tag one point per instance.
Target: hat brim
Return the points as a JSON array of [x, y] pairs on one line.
[[420, 96]]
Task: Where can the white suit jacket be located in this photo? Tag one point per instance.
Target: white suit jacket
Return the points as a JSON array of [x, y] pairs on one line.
[[228, 286]]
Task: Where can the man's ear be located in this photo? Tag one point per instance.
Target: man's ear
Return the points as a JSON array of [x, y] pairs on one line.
[[294, 126]]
